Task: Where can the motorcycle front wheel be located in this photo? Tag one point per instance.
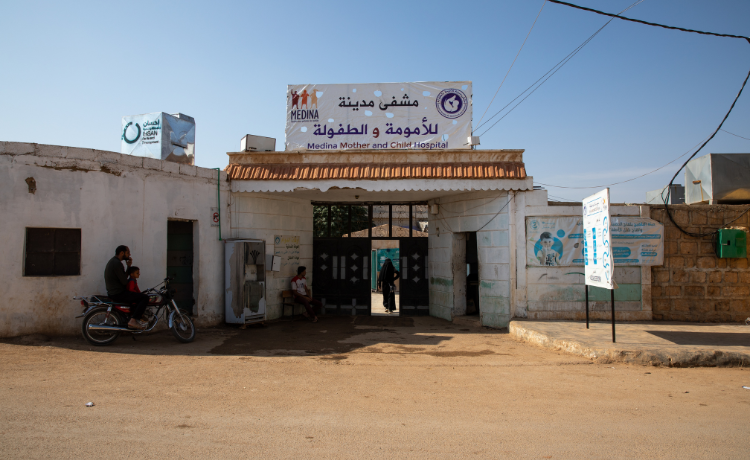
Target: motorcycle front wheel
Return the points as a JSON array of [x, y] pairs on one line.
[[182, 326], [99, 317]]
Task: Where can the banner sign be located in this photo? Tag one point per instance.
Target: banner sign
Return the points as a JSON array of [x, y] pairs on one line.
[[160, 136], [599, 265], [636, 241], [423, 115], [287, 248]]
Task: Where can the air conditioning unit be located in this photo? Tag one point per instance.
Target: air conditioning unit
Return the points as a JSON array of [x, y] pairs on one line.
[[251, 143]]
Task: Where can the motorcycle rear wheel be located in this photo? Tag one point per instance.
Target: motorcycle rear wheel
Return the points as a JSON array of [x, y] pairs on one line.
[[98, 316], [182, 327]]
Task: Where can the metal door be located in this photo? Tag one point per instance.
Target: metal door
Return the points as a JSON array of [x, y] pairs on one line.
[[414, 293], [180, 262], [341, 275]]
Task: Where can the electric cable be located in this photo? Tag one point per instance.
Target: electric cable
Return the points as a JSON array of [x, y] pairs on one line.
[[624, 181], [562, 62], [736, 135], [514, 61], [639, 21], [718, 128]]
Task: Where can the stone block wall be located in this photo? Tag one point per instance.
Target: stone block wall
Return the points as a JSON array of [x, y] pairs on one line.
[[694, 284]]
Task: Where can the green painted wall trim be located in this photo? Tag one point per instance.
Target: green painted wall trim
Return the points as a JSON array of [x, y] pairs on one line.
[[624, 292], [441, 281]]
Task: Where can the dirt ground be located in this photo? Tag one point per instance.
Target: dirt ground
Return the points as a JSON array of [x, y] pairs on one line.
[[364, 387]]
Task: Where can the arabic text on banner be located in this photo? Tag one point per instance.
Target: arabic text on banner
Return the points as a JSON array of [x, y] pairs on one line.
[[636, 241], [598, 262], [423, 115]]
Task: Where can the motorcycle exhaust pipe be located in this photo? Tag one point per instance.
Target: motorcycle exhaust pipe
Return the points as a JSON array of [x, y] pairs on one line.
[[98, 327]]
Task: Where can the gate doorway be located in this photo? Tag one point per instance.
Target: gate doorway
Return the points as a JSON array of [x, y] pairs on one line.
[[180, 262], [344, 271]]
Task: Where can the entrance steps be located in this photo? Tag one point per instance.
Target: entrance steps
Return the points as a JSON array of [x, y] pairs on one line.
[[472, 321]]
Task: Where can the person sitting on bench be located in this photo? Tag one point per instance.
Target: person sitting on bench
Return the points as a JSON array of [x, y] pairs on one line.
[[302, 294]]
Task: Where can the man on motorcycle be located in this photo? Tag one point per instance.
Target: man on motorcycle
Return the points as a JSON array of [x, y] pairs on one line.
[[117, 286]]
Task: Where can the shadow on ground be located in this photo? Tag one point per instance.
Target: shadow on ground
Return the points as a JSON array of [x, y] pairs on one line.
[[331, 335], [730, 339]]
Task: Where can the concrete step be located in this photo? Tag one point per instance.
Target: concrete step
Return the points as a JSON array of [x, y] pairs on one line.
[[469, 321]]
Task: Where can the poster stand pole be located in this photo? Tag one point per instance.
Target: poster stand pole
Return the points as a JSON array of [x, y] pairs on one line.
[[587, 306], [612, 299]]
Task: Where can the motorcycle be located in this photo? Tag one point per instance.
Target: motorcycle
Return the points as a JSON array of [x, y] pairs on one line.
[[105, 319]]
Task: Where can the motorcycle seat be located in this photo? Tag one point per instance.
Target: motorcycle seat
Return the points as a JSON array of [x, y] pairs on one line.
[[105, 299]]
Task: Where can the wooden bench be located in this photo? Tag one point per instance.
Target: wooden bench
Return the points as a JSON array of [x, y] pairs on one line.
[[287, 300]]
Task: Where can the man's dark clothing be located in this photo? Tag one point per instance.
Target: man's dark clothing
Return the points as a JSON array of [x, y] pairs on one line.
[[139, 300], [115, 278], [117, 283]]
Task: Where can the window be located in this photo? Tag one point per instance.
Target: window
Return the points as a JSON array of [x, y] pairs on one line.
[[52, 252], [320, 221], [419, 220], [360, 221]]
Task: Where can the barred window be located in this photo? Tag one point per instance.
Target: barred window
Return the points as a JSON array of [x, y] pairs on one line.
[[52, 252]]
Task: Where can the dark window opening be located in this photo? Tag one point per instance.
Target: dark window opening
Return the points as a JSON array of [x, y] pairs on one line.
[[52, 252]]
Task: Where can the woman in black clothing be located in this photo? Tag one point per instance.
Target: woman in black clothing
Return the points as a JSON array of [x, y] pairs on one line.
[[388, 275]]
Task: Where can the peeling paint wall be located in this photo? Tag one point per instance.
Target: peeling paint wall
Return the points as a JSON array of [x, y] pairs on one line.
[[488, 214], [262, 216], [559, 292], [114, 199]]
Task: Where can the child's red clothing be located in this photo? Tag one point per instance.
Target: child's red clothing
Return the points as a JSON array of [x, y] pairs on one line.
[[133, 285]]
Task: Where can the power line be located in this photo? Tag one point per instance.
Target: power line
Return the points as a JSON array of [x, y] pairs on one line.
[[736, 135], [718, 128], [649, 23], [624, 181], [514, 61], [557, 66]]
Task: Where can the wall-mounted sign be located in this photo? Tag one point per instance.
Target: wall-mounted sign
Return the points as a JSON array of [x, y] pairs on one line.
[[215, 217], [558, 241], [160, 136], [423, 115], [287, 248]]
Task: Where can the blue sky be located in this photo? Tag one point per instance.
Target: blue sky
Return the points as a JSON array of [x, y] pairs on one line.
[[632, 100]]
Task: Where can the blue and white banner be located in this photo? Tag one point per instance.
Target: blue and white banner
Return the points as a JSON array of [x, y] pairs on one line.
[[558, 241], [379, 116], [598, 262]]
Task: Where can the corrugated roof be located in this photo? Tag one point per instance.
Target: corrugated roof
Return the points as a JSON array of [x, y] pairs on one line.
[[495, 170]]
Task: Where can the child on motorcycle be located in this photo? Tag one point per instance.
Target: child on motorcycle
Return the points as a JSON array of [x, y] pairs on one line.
[[134, 273]]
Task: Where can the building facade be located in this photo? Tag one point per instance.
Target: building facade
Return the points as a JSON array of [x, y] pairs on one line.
[[458, 218]]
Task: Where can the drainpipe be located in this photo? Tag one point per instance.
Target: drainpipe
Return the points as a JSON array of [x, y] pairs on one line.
[[218, 196]]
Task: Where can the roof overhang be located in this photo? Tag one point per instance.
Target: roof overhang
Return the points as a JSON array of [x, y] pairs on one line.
[[378, 172]]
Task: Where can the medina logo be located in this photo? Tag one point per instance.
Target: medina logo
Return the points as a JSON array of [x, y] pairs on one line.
[[451, 103], [304, 106]]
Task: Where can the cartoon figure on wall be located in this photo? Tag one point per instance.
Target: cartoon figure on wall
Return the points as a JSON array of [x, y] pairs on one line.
[[548, 249]]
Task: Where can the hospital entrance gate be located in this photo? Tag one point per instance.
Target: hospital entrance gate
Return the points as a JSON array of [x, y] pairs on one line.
[[341, 267]]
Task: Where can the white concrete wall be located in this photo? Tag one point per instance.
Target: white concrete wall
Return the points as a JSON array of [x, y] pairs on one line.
[[559, 292], [262, 216], [114, 199], [488, 214]]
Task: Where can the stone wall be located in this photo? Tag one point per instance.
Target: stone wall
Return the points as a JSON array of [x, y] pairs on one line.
[[694, 284]]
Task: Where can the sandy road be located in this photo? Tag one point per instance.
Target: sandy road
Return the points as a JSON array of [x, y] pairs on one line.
[[370, 388]]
